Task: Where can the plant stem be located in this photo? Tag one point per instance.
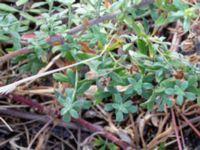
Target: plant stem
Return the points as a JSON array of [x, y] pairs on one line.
[[176, 129], [74, 30], [191, 125], [91, 127]]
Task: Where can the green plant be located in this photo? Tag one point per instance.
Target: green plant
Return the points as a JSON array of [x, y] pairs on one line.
[[71, 106], [122, 58], [70, 102], [120, 107], [102, 144], [177, 10]]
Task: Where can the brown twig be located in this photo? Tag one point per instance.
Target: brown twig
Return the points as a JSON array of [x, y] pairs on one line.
[[176, 129], [79, 121], [176, 37], [162, 124], [23, 100], [104, 133], [32, 116], [74, 30], [11, 55], [191, 125], [182, 136], [156, 139]]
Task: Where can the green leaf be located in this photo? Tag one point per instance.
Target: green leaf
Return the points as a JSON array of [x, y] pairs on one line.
[[198, 100], [119, 116], [149, 103], [192, 80], [190, 96], [128, 103], [169, 91], [71, 76], [83, 87], [108, 107], [136, 28], [67, 117], [60, 77], [112, 146], [21, 2], [142, 46], [68, 2], [28, 16], [5, 7], [129, 21], [74, 113], [179, 91], [136, 85], [180, 4], [38, 4], [4, 38], [168, 83], [81, 104], [123, 109], [61, 99], [99, 142], [112, 89], [116, 105], [179, 100], [161, 20], [63, 111], [118, 98], [69, 92], [132, 109], [147, 86], [130, 91], [115, 77], [196, 6], [16, 40], [184, 85], [186, 24], [173, 16]]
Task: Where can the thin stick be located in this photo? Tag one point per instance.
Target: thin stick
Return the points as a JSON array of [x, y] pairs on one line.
[[191, 125], [35, 117], [46, 67], [7, 125], [91, 127], [38, 133], [176, 38], [11, 87], [18, 52], [176, 129]]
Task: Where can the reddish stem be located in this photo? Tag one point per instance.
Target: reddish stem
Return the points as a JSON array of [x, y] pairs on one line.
[[11, 55], [191, 125], [23, 100], [104, 133], [176, 129], [79, 121]]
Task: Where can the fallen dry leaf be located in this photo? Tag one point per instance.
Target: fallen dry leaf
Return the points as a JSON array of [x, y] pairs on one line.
[[122, 88], [90, 92], [85, 48], [91, 75], [155, 120]]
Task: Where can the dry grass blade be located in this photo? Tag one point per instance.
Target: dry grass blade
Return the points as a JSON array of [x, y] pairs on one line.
[[11, 87], [6, 124], [8, 88]]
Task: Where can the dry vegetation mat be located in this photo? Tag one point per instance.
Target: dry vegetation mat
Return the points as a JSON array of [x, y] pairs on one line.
[[99, 74]]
